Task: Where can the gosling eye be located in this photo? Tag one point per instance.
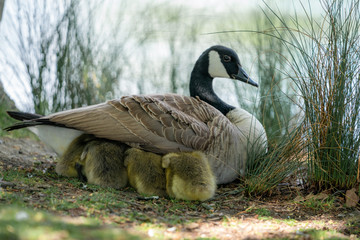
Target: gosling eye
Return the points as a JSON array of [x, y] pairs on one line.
[[227, 58]]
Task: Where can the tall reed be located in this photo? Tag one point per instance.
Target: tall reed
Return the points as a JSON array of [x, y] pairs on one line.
[[265, 170], [325, 67]]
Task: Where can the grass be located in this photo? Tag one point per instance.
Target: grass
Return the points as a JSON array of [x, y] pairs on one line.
[[320, 234], [64, 194], [290, 222], [266, 170], [47, 192], [323, 65], [63, 209], [262, 212], [322, 57], [41, 203], [319, 205], [21, 223]]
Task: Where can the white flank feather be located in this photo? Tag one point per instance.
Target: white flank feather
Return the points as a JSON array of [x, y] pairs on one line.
[[58, 138]]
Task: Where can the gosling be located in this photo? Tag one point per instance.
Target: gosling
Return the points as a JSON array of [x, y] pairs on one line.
[[103, 163], [70, 161], [145, 172], [189, 176]]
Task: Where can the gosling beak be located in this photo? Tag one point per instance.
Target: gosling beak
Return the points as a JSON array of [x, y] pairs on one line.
[[242, 76]]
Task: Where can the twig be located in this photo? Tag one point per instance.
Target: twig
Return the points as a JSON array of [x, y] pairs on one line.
[[358, 171], [7, 184]]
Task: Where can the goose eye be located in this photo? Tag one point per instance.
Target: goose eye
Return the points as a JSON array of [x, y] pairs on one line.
[[226, 58]]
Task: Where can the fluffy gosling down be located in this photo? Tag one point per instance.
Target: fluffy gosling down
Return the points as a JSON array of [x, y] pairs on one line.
[[97, 161], [103, 163], [66, 165], [145, 172], [189, 176]]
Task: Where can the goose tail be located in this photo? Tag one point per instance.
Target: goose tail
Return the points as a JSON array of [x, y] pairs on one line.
[[21, 116], [55, 135], [25, 118]]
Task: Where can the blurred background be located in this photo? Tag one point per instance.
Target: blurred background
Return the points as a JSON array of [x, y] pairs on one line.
[[67, 54]]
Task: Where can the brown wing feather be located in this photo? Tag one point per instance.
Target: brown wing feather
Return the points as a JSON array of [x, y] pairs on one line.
[[158, 123]]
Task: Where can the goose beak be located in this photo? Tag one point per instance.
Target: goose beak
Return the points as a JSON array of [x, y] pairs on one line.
[[242, 76]]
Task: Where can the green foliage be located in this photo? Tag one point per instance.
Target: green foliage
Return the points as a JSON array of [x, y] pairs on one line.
[[290, 221], [23, 223], [324, 60], [46, 191], [7, 121], [61, 56], [323, 234], [317, 204], [263, 212], [6, 105], [266, 170], [86, 73]]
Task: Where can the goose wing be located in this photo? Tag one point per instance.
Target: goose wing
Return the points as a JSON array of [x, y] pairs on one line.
[[157, 123]]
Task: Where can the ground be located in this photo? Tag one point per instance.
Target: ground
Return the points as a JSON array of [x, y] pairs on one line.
[[36, 203]]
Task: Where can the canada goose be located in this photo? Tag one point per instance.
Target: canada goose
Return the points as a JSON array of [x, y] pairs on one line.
[[145, 172], [189, 176], [169, 122], [103, 163]]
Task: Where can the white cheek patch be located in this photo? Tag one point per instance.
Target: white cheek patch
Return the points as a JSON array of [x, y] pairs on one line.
[[216, 67]]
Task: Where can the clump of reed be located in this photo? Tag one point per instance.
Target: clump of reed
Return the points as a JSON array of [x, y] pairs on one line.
[[325, 67]]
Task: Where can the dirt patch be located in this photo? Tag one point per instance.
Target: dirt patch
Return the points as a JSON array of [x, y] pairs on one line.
[[230, 215], [24, 152]]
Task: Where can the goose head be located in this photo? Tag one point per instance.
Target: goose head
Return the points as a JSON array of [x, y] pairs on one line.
[[217, 61]]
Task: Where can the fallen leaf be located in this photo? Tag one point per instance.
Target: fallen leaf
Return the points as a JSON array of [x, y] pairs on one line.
[[299, 199], [192, 226], [351, 198], [309, 196], [320, 196]]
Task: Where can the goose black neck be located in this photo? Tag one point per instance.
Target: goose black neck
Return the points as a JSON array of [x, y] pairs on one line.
[[201, 85]]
